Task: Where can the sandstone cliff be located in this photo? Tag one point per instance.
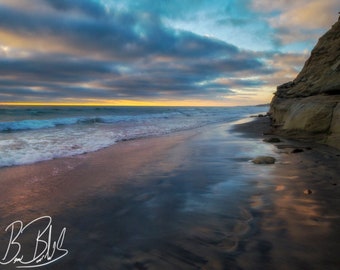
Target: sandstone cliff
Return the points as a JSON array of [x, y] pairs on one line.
[[309, 106]]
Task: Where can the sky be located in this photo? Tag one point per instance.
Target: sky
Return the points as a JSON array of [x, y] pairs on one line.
[[155, 52]]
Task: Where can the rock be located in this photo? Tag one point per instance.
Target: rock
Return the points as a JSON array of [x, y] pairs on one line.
[[313, 115], [307, 191], [309, 106], [264, 160], [272, 140], [297, 150]]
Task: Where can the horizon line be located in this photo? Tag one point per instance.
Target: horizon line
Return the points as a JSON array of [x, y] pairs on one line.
[[133, 103]]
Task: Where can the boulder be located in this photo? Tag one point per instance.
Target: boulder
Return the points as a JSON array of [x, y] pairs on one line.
[[307, 191], [264, 160]]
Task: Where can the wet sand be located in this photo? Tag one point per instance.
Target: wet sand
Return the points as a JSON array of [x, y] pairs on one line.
[[190, 200]]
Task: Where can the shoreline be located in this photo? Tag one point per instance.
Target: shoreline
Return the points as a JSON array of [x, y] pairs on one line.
[[146, 202]]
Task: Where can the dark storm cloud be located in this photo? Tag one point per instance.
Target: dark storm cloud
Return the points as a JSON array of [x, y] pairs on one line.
[[53, 93], [122, 35], [56, 76], [248, 83], [229, 65], [91, 7], [56, 69], [129, 54]]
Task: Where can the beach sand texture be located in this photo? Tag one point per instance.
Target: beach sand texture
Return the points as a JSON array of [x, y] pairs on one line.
[[189, 200]]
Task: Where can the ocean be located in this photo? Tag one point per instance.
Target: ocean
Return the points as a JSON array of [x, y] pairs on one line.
[[29, 134]]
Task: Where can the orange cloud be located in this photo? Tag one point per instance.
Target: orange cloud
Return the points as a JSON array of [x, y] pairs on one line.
[[299, 20]]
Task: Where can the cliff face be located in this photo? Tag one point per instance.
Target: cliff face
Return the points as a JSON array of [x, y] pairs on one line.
[[309, 106]]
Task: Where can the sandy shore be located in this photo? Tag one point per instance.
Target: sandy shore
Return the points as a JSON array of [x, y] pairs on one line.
[[190, 200]]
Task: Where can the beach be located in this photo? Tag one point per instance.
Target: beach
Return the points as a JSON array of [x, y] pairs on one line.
[[169, 135], [187, 200]]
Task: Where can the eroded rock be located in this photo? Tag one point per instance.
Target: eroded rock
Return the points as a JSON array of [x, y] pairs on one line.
[[309, 106]]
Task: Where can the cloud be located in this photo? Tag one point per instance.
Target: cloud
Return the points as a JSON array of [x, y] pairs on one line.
[[285, 67], [122, 35], [298, 21], [303, 13], [55, 69], [61, 77], [83, 49], [90, 7]]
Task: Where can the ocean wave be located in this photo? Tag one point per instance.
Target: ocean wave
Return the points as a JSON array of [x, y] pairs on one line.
[[27, 141], [34, 124]]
